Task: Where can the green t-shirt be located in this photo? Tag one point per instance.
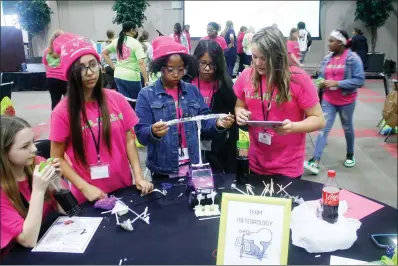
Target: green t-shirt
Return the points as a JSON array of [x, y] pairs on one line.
[[127, 67], [51, 61]]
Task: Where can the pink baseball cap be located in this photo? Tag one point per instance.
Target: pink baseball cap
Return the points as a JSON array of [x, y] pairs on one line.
[[165, 45], [72, 47]]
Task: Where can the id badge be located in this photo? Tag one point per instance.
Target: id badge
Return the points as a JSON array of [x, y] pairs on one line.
[[183, 155], [99, 171], [265, 138]]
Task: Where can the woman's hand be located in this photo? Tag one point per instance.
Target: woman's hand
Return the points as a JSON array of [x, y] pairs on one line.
[[144, 185], [226, 122], [41, 179], [286, 128], [330, 83], [159, 129], [242, 116], [92, 193], [57, 166]]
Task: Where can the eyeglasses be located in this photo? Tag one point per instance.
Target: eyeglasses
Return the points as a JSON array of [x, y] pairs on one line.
[[203, 65], [181, 71], [211, 30], [93, 66]]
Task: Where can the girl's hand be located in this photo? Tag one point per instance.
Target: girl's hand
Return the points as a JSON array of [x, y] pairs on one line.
[[41, 179], [159, 129], [57, 166], [242, 116], [92, 193], [330, 83], [226, 122], [144, 185], [286, 128]]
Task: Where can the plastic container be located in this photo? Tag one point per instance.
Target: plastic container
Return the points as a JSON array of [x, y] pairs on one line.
[[330, 198], [242, 161]]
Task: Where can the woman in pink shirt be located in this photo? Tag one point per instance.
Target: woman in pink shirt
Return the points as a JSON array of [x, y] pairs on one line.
[[293, 48], [25, 197], [272, 91], [94, 127], [212, 34], [241, 53]]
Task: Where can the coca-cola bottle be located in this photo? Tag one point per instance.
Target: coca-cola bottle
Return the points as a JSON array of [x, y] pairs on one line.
[[330, 199]]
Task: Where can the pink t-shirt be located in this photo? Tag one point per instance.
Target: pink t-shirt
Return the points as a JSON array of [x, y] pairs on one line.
[[218, 39], [335, 71], [11, 221], [123, 119], [239, 42], [293, 48], [206, 88], [285, 155], [53, 72]]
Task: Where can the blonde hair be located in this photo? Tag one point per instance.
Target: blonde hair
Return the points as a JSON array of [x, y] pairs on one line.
[[271, 43], [50, 48], [228, 26], [250, 29], [292, 31]]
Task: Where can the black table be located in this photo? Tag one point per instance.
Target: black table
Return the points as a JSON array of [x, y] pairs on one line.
[[176, 236]]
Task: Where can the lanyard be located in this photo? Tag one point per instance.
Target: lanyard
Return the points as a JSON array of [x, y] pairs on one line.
[[97, 144], [212, 92], [269, 103], [179, 126]]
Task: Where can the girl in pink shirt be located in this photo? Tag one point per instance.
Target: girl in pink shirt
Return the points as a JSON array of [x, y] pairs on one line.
[[94, 127], [293, 48], [212, 34], [273, 91], [25, 197]]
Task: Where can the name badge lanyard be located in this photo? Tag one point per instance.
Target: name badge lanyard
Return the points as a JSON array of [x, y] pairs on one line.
[[180, 125], [97, 143], [269, 103]]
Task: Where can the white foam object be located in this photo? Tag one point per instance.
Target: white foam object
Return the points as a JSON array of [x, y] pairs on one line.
[[207, 210], [195, 118], [127, 225], [316, 235], [120, 208]]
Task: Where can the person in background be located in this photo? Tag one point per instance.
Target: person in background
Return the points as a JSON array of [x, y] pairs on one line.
[[179, 36], [359, 45], [147, 47], [212, 34], [56, 83], [247, 44], [171, 149], [130, 61], [305, 40], [94, 128], [25, 191], [275, 25], [215, 85], [343, 74], [293, 49], [239, 44], [231, 52], [186, 31], [109, 71], [271, 90]]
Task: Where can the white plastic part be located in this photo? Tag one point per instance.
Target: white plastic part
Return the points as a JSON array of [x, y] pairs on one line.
[[233, 186]]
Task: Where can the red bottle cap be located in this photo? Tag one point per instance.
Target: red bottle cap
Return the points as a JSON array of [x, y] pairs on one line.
[[331, 173]]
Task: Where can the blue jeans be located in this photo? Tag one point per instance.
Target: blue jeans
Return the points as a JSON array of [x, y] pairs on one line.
[[346, 113], [128, 89], [302, 57], [230, 60]]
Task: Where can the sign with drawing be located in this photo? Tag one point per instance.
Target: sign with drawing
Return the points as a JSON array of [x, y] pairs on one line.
[[253, 230]]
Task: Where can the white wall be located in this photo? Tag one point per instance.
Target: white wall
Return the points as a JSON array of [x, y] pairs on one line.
[[93, 18]]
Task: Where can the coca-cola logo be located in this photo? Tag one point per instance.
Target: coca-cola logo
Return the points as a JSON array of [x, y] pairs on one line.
[[332, 197]]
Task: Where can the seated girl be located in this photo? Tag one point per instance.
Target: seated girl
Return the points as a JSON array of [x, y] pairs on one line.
[[172, 149], [25, 198], [93, 126]]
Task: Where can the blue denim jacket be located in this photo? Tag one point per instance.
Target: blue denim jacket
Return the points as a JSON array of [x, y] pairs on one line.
[[153, 105], [354, 76]]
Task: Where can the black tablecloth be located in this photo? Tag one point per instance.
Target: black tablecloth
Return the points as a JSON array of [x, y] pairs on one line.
[[26, 81], [176, 236]]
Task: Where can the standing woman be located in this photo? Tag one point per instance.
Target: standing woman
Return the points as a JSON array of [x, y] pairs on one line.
[[247, 44], [293, 49], [272, 91], [56, 83], [231, 52], [147, 47], [171, 149], [94, 127], [241, 53], [343, 74], [359, 44], [212, 34], [179, 36], [130, 61], [215, 85]]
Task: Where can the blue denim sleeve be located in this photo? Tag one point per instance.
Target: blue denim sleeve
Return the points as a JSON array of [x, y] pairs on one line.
[[322, 68], [358, 75], [143, 129]]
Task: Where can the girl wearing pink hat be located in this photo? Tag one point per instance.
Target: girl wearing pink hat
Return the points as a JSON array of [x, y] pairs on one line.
[[94, 127], [172, 149]]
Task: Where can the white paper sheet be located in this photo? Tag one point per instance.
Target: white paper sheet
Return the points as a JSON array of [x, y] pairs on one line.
[[68, 238], [335, 260]]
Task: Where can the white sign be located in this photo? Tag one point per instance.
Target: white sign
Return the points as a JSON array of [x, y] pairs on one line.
[[335, 260]]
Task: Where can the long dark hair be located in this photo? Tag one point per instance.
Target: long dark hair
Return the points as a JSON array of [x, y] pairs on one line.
[[189, 63], [178, 27], [77, 111], [217, 55], [127, 26]]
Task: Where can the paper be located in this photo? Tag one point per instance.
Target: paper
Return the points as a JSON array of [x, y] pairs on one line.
[[68, 235], [335, 260], [358, 207]]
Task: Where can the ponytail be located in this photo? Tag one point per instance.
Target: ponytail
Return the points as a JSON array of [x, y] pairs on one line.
[[120, 42]]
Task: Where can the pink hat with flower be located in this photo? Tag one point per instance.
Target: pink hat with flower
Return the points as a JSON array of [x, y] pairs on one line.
[[71, 47], [165, 45]]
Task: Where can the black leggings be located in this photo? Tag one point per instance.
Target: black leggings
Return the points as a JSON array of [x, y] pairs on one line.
[[57, 88]]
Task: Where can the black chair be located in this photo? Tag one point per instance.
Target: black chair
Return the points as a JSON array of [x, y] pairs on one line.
[[43, 148]]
